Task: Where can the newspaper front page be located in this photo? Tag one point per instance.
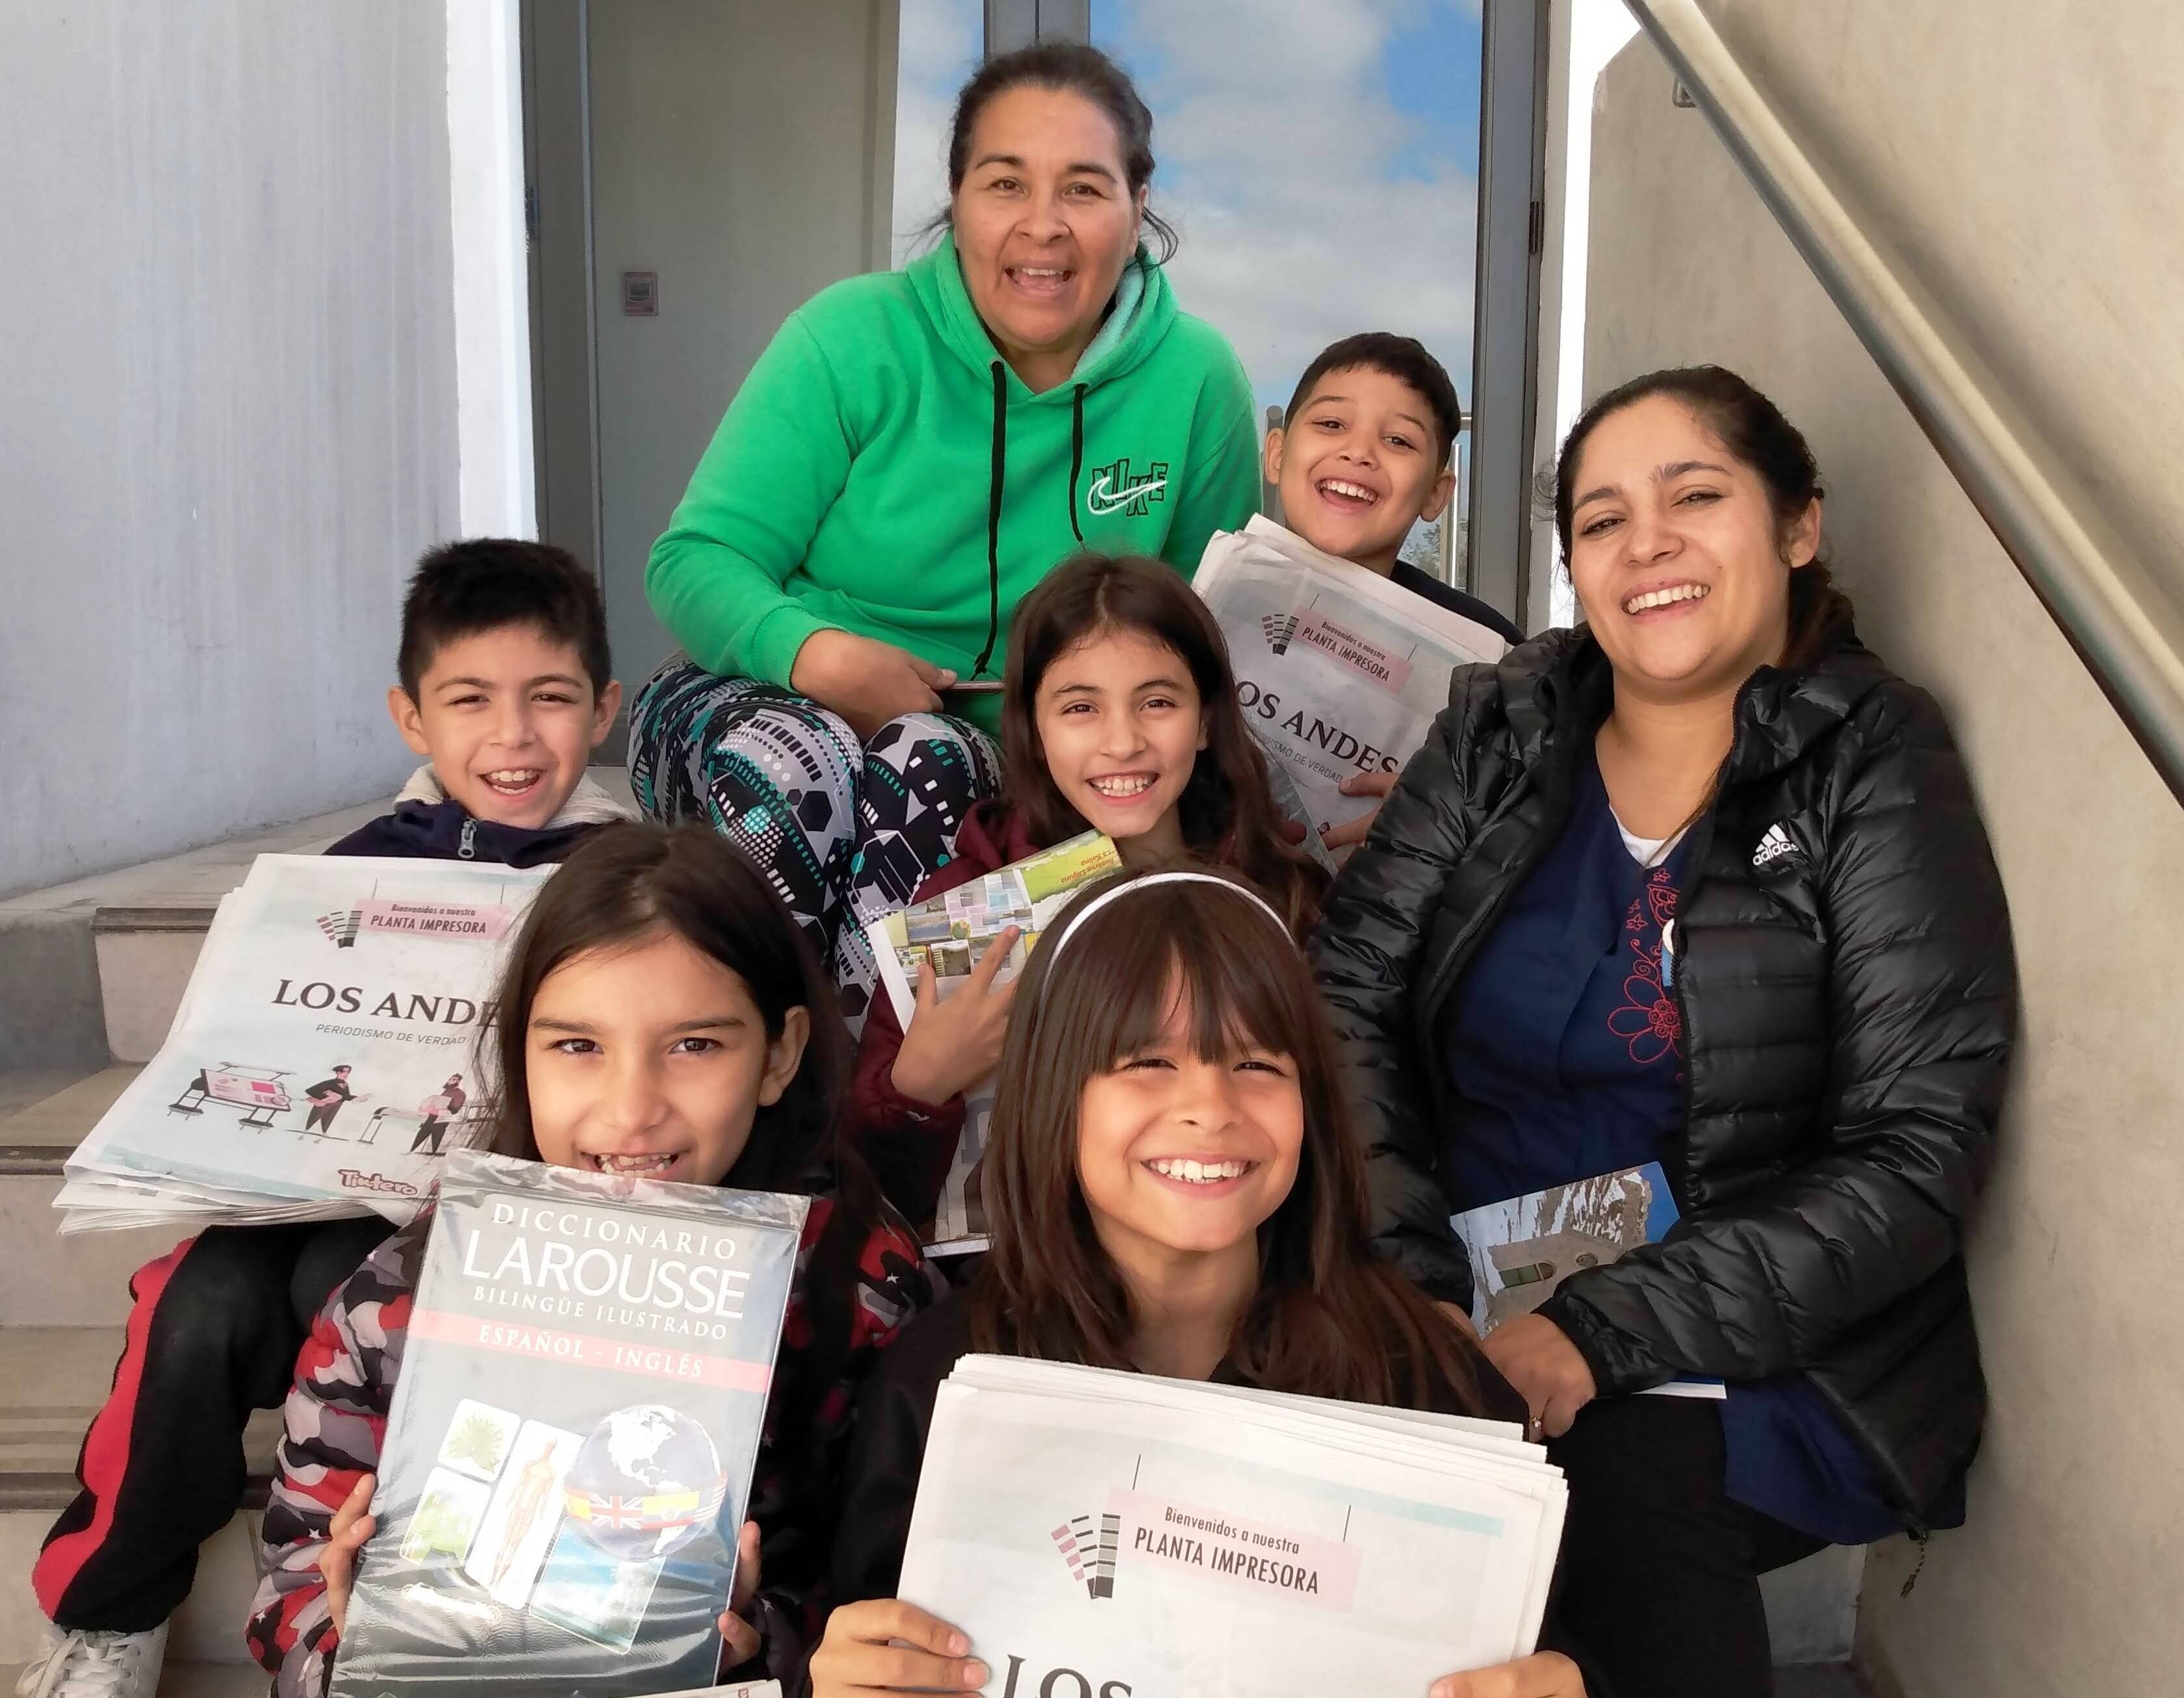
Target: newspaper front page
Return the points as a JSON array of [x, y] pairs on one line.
[[322, 1061], [1337, 670], [950, 933], [1163, 1539]]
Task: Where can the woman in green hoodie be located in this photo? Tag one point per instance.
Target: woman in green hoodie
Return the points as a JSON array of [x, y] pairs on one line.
[[913, 450]]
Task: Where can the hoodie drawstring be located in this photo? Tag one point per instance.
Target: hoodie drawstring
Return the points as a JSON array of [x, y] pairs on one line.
[[1076, 459], [995, 488], [994, 518]]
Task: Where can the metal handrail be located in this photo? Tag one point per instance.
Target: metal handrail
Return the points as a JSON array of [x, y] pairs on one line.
[[2123, 620]]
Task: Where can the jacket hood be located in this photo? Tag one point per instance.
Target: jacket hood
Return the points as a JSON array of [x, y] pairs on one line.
[[1561, 682], [1143, 311]]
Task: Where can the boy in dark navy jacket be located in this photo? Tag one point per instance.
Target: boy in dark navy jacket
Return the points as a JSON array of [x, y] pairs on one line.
[[506, 687]]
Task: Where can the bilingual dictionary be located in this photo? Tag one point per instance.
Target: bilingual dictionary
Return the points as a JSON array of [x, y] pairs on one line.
[[570, 1448]]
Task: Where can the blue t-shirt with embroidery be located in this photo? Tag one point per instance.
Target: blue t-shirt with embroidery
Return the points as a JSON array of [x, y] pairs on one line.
[[1563, 1047]]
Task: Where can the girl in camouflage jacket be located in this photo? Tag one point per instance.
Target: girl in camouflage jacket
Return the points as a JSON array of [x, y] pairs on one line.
[[661, 1015]]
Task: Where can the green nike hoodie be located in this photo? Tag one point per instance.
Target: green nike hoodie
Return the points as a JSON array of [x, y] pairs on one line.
[[883, 470]]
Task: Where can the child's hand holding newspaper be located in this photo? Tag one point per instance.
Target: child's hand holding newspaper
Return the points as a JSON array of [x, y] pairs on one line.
[[952, 1043]]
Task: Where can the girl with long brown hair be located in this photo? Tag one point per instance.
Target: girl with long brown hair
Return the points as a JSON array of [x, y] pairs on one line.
[[660, 1015], [1118, 715], [1171, 1187]]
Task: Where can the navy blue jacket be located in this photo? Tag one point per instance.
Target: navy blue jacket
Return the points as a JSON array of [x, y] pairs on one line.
[[445, 831]]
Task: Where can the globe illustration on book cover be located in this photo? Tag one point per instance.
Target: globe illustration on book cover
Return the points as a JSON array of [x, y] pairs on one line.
[[645, 1483]]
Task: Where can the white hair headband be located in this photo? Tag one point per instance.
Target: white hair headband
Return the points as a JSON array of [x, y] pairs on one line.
[[1145, 883]]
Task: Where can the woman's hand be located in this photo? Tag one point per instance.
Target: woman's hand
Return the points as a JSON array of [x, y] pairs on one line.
[[867, 682], [1536, 1356], [1353, 831], [737, 1634], [950, 1046], [352, 1525], [1544, 1674], [856, 1656]]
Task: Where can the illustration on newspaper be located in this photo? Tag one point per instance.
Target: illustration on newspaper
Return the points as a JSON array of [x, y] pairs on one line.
[[1522, 1249], [1097, 1531], [1337, 670], [570, 1445], [323, 1058], [950, 933]]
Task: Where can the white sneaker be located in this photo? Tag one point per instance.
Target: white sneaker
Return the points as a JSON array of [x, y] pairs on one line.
[[97, 1665]]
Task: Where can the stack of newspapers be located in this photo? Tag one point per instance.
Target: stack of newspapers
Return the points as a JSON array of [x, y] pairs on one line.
[[324, 1060], [1337, 670], [950, 934], [1159, 1537]]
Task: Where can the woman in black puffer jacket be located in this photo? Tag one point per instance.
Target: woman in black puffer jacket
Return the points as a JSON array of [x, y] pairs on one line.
[[1700, 883]]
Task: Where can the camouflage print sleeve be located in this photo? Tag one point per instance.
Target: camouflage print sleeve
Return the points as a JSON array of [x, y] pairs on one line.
[[333, 1423]]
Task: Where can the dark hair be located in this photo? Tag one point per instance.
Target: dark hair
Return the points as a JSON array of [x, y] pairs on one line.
[[1073, 68], [628, 881], [1403, 357], [461, 589], [1755, 432], [1227, 809], [1330, 1318]]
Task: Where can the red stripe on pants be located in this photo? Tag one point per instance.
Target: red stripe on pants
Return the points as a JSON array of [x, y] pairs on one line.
[[106, 1445]]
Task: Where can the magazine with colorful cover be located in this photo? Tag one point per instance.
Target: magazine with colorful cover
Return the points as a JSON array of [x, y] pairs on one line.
[[322, 1059], [1337, 670], [569, 1449], [1521, 1249], [1101, 1533], [950, 933]]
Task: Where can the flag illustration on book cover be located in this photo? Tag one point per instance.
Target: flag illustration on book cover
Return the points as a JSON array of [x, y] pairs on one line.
[[1521, 1249], [572, 1436]]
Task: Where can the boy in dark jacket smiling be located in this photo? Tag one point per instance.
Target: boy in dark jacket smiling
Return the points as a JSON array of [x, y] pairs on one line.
[[505, 689]]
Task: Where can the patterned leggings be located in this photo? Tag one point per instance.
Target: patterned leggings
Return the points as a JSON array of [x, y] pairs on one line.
[[844, 830]]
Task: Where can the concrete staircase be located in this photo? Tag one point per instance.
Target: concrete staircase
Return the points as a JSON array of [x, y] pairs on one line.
[[90, 974], [66, 1300]]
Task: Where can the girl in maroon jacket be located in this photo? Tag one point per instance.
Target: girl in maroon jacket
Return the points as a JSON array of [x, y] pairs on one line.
[[1118, 715], [661, 1015]]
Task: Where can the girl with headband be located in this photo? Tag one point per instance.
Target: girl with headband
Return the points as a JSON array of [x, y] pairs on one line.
[[1172, 1188], [1118, 715]]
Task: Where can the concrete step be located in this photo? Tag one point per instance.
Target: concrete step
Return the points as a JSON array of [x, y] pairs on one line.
[[94, 970], [52, 1380], [54, 973], [187, 1680], [81, 1280]]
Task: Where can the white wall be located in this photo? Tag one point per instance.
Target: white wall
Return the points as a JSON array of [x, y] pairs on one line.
[[1583, 36], [490, 281], [745, 152], [2026, 157], [227, 411]]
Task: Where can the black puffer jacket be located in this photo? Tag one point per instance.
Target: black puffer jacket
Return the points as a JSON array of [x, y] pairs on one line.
[[1849, 997]]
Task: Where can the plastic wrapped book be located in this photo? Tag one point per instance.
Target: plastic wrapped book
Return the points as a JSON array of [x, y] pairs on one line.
[[949, 934], [1093, 1531], [1337, 670], [321, 1061], [570, 1444], [1522, 1249]]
